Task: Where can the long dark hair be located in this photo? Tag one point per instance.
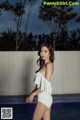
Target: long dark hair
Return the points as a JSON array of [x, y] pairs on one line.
[[41, 62]]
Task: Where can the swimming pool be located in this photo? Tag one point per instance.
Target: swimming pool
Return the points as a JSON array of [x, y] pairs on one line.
[[63, 108]]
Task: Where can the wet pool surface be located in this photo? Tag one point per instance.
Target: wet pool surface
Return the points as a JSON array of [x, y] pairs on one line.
[[60, 110]]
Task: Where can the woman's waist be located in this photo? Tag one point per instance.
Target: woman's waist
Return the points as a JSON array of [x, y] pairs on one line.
[[43, 93]]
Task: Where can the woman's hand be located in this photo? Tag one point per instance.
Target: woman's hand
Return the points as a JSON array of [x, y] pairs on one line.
[[27, 99], [30, 98]]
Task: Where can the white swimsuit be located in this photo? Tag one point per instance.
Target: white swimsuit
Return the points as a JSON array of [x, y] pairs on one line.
[[45, 96]]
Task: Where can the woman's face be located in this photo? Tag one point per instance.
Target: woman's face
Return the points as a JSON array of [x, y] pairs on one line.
[[44, 53]]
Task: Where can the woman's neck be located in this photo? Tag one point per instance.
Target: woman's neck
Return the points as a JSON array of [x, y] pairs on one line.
[[47, 61]]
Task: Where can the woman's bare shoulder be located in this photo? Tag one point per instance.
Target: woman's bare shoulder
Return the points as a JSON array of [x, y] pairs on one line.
[[49, 70], [50, 65]]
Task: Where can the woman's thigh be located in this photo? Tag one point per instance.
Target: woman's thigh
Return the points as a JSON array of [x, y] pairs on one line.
[[47, 114], [40, 109]]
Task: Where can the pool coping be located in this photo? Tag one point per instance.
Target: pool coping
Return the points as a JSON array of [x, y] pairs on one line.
[[56, 99]]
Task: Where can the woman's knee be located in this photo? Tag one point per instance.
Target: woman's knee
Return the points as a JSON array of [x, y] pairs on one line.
[[37, 117]]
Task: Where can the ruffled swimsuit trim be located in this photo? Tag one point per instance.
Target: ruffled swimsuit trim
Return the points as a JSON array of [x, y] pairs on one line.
[[43, 83]]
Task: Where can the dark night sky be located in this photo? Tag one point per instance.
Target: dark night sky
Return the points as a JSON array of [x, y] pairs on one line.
[[36, 26]]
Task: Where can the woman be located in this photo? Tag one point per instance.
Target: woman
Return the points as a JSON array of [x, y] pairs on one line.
[[43, 85]]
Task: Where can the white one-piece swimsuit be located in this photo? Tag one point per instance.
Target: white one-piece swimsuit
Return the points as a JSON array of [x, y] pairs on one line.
[[45, 96]]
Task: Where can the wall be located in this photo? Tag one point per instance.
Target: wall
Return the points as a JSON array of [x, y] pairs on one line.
[[17, 71]]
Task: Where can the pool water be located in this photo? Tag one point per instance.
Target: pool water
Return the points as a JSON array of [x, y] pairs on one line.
[[59, 110], [65, 111]]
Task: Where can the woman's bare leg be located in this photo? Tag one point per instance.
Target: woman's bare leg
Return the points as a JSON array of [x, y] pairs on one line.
[[47, 114], [39, 111]]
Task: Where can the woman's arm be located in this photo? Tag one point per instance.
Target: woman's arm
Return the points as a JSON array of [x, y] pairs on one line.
[[34, 89], [49, 71], [31, 97], [37, 92]]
